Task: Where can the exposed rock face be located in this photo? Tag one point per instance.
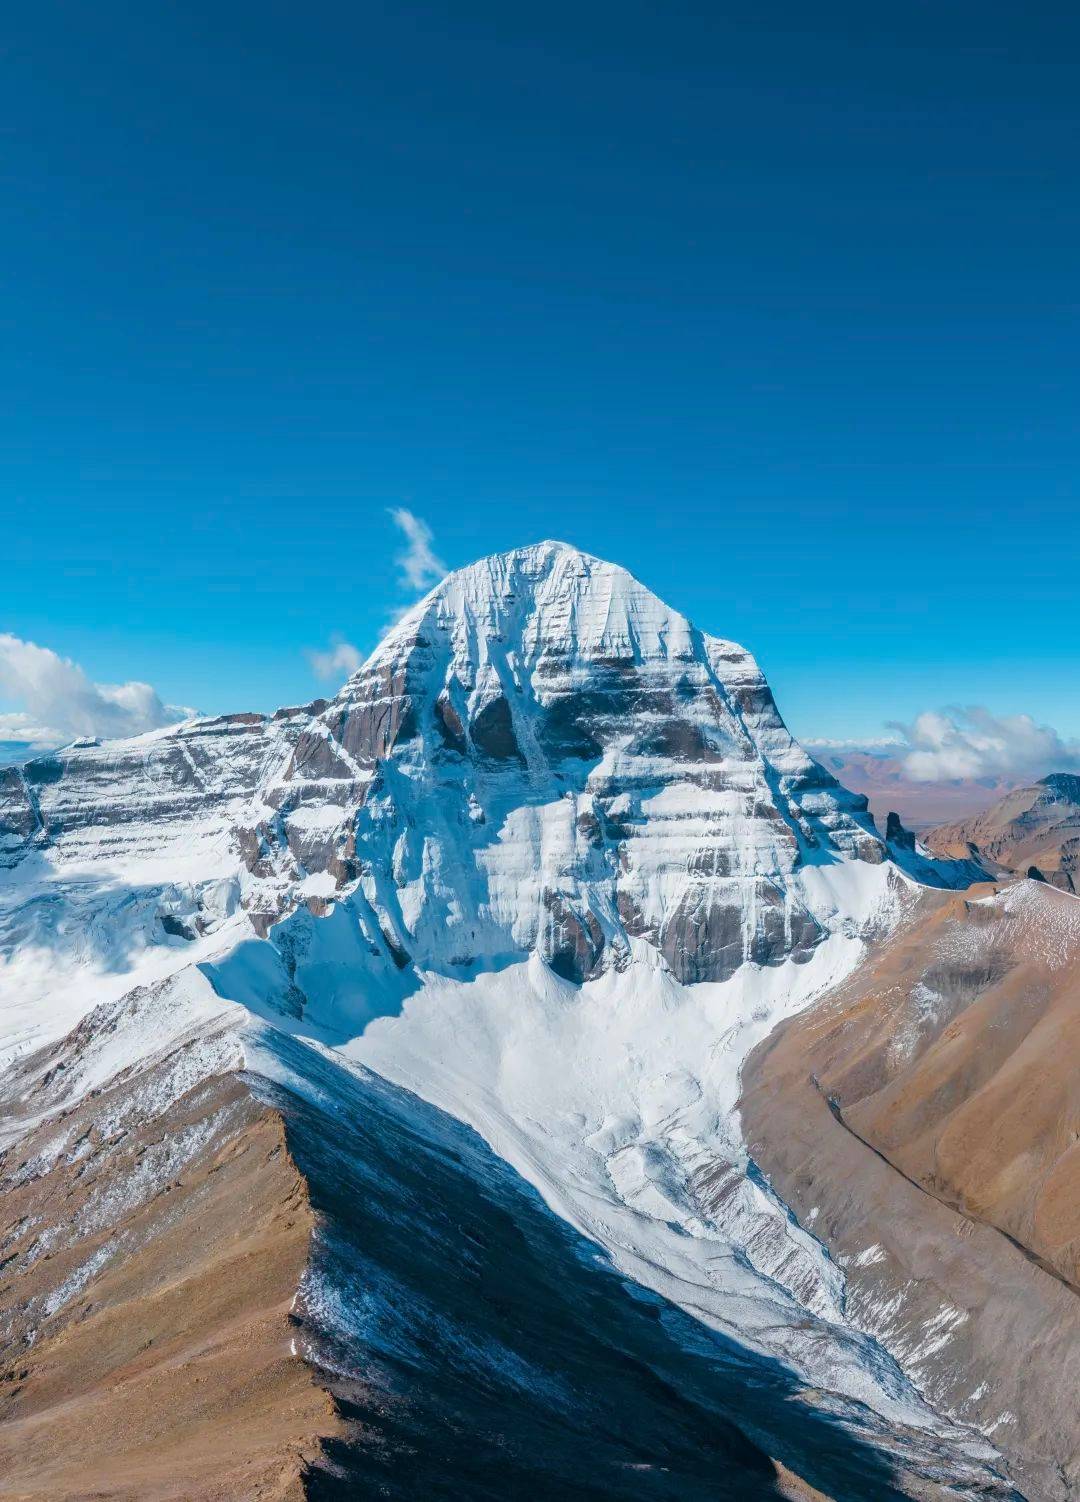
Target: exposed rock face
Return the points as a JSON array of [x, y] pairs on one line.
[[922, 1122], [896, 834], [1036, 826], [541, 756]]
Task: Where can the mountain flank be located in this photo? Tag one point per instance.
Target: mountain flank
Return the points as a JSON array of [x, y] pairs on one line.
[[922, 1120], [1031, 830]]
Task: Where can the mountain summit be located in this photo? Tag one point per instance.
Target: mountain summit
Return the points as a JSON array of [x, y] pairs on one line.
[[541, 756], [559, 761]]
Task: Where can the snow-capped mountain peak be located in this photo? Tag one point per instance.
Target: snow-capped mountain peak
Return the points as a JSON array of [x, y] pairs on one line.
[[559, 761], [550, 860], [550, 599], [540, 757]]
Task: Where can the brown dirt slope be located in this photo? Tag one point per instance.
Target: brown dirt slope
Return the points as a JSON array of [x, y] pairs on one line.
[[923, 1121], [156, 1232], [1031, 826], [146, 1280]]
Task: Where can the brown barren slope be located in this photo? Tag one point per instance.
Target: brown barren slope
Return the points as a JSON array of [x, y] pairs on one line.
[[923, 1121], [1031, 826], [161, 1367], [157, 1233]]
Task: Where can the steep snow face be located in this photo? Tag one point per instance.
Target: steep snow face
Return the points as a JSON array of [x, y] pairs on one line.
[[560, 763], [542, 757]]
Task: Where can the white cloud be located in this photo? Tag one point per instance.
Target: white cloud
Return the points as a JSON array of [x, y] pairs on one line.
[[420, 565], [59, 703], [339, 661], [942, 745]]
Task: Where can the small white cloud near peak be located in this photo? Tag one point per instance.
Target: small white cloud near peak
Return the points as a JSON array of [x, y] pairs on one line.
[[419, 568], [57, 701], [420, 565], [340, 660], [971, 742]]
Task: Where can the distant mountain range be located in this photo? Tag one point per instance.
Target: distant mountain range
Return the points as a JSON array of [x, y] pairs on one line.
[[881, 774]]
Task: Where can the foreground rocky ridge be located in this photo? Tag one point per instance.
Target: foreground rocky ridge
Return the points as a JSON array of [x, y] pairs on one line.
[[156, 1238], [227, 1278]]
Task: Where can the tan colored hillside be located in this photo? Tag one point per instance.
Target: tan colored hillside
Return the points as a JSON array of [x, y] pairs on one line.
[[169, 1374], [1031, 826], [924, 1121]]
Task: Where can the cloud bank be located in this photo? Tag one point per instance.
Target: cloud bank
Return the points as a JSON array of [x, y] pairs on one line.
[[970, 742], [58, 702], [964, 744]]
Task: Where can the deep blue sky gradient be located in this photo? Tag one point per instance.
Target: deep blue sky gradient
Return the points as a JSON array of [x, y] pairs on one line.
[[777, 305]]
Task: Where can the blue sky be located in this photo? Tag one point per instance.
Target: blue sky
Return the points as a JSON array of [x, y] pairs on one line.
[[777, 306]]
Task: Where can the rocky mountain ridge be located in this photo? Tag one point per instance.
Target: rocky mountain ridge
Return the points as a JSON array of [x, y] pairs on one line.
[[550, 861], [922, 1119], [1033, 829], [541, 755]]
